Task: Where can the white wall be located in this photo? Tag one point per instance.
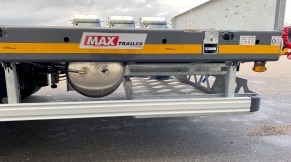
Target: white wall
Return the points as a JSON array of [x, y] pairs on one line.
[[234, 15]]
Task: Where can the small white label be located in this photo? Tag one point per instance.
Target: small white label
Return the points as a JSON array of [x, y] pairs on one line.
[[247, 40], [113, 40], [276, 40]]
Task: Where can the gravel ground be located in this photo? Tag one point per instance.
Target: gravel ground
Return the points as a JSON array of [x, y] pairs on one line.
[[262, 136]]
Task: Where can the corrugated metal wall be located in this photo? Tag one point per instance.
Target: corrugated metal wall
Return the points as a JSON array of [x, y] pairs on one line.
[[234, 15]]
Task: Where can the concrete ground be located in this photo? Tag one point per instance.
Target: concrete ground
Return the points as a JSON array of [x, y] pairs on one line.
[[262, 136]]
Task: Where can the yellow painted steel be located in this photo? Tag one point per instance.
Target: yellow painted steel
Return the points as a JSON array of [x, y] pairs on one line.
[[249, 49], [74, 48]]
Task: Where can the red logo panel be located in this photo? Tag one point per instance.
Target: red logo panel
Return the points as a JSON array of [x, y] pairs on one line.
[[101, 40]]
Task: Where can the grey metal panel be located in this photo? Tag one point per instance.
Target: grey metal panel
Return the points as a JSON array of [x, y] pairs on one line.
[[57, 35], [263, 36], [234, 15], [42, 111], [187, 58]]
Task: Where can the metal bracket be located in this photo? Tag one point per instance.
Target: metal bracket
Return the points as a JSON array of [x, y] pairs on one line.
[[210, 43], [242, 83]]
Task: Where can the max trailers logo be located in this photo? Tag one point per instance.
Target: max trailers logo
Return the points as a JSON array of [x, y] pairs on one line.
[[101, 41], [112, 40]]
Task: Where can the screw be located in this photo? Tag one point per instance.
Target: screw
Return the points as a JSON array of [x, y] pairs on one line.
[[104, 70]]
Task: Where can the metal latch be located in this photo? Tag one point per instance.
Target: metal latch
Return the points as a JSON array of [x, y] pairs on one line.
[[210, 42]]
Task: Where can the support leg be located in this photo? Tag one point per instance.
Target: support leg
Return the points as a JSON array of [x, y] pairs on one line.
[[230, 80], [12, 84]]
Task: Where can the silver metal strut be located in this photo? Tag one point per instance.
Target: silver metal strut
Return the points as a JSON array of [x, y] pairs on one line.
[[12, 85]]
